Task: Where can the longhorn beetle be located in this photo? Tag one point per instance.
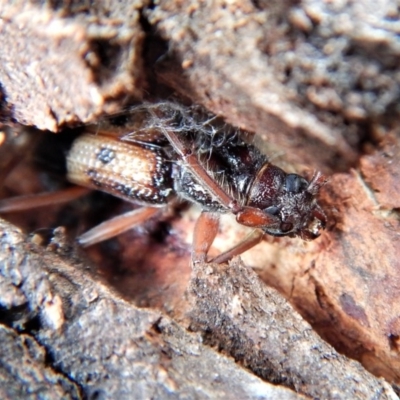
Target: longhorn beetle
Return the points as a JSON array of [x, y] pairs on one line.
[[172, 152]]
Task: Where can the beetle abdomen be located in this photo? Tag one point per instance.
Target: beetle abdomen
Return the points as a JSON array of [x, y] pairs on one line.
[[134, 172]]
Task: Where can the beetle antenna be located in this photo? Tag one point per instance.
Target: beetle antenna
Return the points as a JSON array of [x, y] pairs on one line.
[[318, 180]]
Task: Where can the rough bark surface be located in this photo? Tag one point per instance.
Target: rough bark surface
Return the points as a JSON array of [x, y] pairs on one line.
[[318, 83], [26, 372], [69, 64], [61, 318], [63, 327]]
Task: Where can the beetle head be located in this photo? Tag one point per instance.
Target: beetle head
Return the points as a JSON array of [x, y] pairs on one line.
[[290, 202]]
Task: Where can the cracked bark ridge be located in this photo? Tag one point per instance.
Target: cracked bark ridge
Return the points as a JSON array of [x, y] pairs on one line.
[[25, 371], [58, 317], [238, 314], [107, 347], [69, 64], [312, 76]]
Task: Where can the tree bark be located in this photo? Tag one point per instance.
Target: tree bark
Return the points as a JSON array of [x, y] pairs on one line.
[[318, 84], [68, 327]]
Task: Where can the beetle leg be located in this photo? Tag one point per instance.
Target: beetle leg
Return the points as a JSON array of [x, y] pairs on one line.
[[28, 202], [255, 218], [247, 243], [205, 230], [117, 225]]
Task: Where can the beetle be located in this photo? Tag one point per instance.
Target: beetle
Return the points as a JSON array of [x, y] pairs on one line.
[[172, 153]]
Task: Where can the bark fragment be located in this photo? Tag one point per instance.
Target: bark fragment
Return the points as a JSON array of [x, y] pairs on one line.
[[108, 347], [69, 64]]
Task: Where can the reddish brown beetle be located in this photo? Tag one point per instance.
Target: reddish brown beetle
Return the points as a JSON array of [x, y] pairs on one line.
[[172, 152]]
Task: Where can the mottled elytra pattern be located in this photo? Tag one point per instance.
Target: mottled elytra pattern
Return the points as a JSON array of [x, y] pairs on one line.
[[131, 171], [105, 155]]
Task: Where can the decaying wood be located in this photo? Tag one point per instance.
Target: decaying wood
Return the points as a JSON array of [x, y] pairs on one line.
[[100, 344], [318, 82], [97, 342], [70, 64], [255, 325]]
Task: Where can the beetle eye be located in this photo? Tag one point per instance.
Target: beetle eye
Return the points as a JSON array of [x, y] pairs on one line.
[[286, 226], [273, 210], [295, 183]]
